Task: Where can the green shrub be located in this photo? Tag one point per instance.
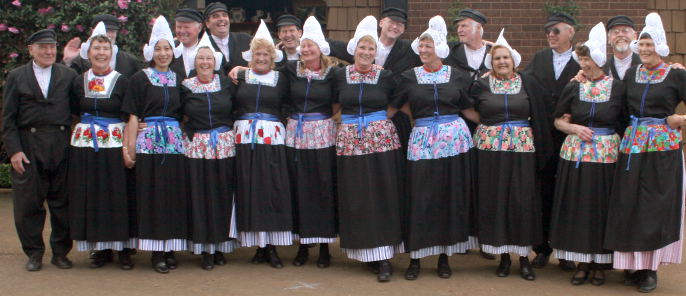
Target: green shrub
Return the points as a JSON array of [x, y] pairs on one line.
[[5, 175]]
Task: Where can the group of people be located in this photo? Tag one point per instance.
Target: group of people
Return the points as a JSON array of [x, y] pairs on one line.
[[226, 141]]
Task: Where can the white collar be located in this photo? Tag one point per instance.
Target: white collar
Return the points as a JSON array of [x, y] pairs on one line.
[[469, 50], [222, 40], [184, 48], [568, 52], [39, 68]]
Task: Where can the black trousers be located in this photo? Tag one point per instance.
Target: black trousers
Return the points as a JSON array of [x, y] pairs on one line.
[[548, 177], [44, 180]]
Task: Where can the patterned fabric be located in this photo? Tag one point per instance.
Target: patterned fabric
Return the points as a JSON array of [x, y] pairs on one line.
[[582, 257], [268, 132], [81, 246], [603, 149], [160, 78], [458, 248], [379, 136], [303, 72], [596, 91], [82, 136], [196, 86], [147, 144], [99, 87], [650, 138], [519, 250], [438, 77], [354, 77], [317, 134], [374, 254], [657, 75], [269, 79], [516, 139], [224, 247], [451, 139], [200, 147], [264, 238], [314, 240], [156, 245], [505, 86]]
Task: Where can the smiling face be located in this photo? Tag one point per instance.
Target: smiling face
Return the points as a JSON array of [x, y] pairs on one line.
[[309, 51], [100, 53], [44, 54], [163, 54], [204, 62], [468, 30], [187, 32], [560, 36], [502, 62], [391, 29], [365, 52], [218, 23], [620, 37], [290, 36], [646, 50], [427, 51]]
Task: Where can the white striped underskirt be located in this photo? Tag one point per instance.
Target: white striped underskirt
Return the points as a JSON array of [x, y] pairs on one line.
[[519, 250], [177, 244], [582, 257], [81, 246], [264, 238], [224, 247], [374, 254], [314, 240], [459, 248]]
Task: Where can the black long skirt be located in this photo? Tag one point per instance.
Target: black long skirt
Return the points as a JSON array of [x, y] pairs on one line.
[[211, 187], [509, 205], [99, 208], [580, 207], [313, 174], [645, 205]]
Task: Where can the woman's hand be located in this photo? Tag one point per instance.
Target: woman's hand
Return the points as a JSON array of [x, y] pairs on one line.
[[233, 74], [675, 121], [580, 78], [584, 133], [128, 162]]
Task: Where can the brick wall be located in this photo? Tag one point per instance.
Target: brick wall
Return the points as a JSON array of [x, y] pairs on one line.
[[523, 20]]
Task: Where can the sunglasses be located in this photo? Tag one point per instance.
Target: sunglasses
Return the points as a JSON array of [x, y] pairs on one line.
[[555, 31]]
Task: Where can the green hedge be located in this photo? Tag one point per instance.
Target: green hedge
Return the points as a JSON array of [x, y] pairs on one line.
[[5, 175]]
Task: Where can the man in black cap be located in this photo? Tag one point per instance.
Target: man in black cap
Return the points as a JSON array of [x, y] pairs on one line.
[[187, 28], [231, 45], [553, 68], [289, 29], [393, 53], [621, 30], [123, 62], [35, 126], [469, 54]]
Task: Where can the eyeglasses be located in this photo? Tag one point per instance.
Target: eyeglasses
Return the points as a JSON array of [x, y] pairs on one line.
[[555, 31], [622, 30]]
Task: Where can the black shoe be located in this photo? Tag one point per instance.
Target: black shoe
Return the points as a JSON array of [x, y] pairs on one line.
[[412, 272], [443, 268], [373, 266], [34, 264], [525, 269], [648, 281], [540, 261], [385, 271], [260, 256], [159, 263], [301, 258], [61, 262], [598, 276], [219, 258], [578, 278], [207, 261], [567, 265], [98, 260], [504, 266], [486, 256], [324, 259], [632, 278], [273, 257], [125, 262], [170, 259]]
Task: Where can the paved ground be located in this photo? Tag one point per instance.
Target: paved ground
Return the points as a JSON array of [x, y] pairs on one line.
[[471, 276]]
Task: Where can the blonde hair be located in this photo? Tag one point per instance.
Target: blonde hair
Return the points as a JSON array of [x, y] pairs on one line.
[[366, 38], [426, 37], [260, 43], [324, 60]]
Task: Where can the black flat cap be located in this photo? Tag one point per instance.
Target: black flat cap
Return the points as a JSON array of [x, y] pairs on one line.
[[214, 7], [188, 15], [42, 36], [394, 13], [288, 20], [560, 17], [472, 14], [620, 20], [111, 22]]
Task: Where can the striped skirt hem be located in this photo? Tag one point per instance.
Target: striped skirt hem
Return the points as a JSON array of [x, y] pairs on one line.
[[81, 246], [583, 257], [224, 247], [374, 254], [177, 244], [519, 250], [314, 240], [264, 238], [458, 248]]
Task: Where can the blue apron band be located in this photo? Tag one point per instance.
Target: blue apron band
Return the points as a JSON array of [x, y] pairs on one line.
[[597, 131], [433, 122], [253, 126], [635, 123], [363, 119], [510, 125], [103, 122], [303, 117], [159, 125], [214, 134]]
